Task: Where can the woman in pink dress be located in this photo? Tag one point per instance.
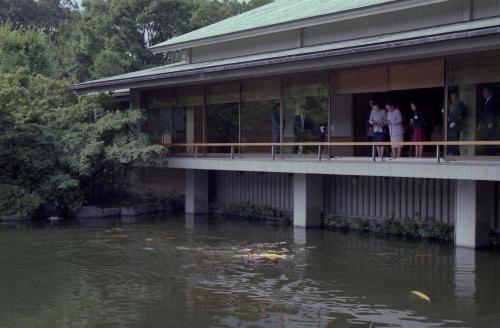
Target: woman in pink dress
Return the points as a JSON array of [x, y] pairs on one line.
[[396, 130]]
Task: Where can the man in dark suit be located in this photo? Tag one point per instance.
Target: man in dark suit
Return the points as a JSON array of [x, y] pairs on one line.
[[487, 120], [456, 121]]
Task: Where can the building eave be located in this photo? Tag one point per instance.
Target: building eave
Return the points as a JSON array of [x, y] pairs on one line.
[[162, 78], [297, 24]]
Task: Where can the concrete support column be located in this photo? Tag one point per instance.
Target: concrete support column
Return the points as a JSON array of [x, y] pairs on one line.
[[189, 221], [475, 206], [307, 200], [465, 275], [196, 191]]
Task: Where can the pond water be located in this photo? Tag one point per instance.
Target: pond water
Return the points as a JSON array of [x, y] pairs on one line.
[[186, 272]]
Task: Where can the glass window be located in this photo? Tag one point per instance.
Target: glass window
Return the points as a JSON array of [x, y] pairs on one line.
[[306, 105], [260, 112], [474, 96], [159, 122], [188, 116], [222, 110]]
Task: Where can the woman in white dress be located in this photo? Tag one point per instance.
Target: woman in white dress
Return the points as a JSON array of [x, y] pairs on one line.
[[377, 122], [396, 130]]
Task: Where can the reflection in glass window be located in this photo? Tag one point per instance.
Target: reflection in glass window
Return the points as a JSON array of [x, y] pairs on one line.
[[260, 112], [222, 112], [175, 115], [474, 96], [306, 106], [159, 122], [188, 115]]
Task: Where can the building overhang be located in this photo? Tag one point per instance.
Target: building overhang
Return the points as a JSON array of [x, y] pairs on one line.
[[426, 43], [402, 168], [184, 41]]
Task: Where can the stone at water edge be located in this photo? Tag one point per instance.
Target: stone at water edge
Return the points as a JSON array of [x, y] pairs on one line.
[[14, 218]]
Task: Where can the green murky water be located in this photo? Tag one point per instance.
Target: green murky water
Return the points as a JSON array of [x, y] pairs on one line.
[[182, 272]]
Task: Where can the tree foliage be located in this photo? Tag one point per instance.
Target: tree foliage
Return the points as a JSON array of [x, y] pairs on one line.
[[62, 150], [58, 150], [109, 37], [27, 50]]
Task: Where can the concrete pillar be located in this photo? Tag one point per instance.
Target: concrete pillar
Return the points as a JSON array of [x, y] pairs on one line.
[[196, 191], [465, 274], [189, 221], [307, 200], [475, 207], [299, 236]]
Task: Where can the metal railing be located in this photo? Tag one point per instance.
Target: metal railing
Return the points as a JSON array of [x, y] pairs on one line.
[[320, 146]]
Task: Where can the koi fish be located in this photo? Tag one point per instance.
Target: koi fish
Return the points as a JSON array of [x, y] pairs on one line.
[[421, 295], [266, 256]]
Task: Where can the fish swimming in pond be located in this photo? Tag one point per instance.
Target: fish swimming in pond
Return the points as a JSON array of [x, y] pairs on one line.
[[259, 252], [421, 295], [265, 256]]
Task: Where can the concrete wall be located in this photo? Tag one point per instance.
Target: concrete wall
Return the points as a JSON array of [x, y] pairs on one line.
[[447, 12], [485, 8], [248, 46], [265, 189], [347, 196], [157, 181], [405, 20], [379, 197]]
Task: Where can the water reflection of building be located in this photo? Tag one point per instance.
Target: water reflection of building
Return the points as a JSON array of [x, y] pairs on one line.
[[321, 63]]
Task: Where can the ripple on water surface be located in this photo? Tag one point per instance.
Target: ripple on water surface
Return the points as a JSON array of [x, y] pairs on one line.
[[233, 273]]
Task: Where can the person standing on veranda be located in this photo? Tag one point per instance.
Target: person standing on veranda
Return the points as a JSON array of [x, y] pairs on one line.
[[369, 128], [377, 122], [417, 123], [456, 121], [396, 130], [488, 120]]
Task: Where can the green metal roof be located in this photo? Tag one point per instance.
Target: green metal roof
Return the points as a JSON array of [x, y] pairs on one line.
[[274, 13], [184, 68]]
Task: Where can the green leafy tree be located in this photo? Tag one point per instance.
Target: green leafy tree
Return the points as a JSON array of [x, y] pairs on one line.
[[44, 14], [18, 12], [28, 49], [161, 20], [252, 4], [212, 11], [109, 62], [58, 150], [63, 150]]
